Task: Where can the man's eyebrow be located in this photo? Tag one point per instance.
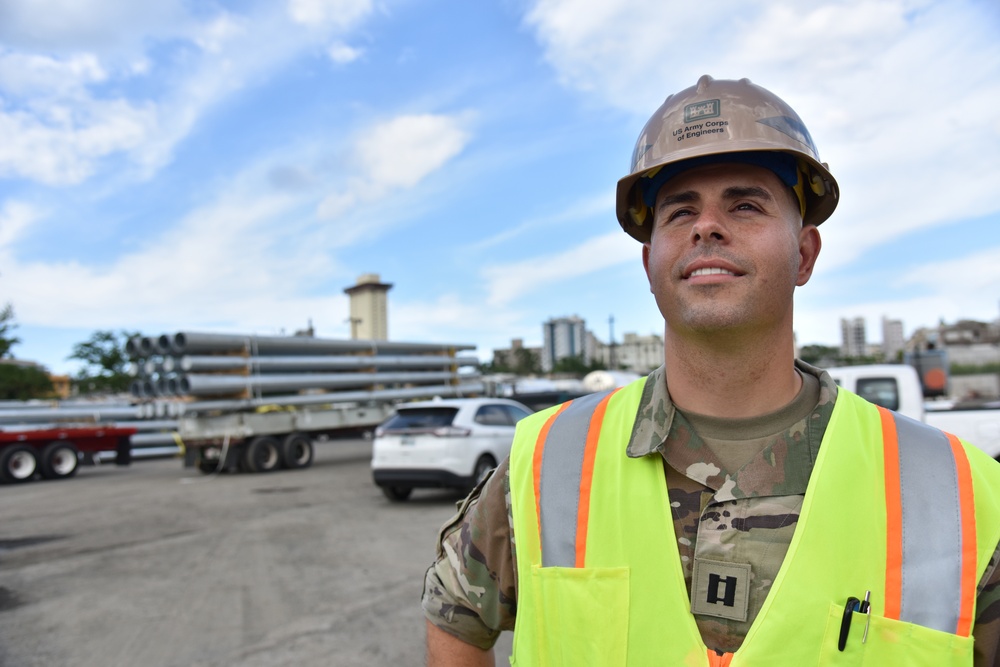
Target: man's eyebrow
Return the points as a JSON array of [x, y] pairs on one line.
[[679, 198], [738, 192]]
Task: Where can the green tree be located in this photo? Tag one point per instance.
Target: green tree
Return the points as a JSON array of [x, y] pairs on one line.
[[18, 381], [7, 326], [819, 355], [524, 362], [105, 362], [577, 366]]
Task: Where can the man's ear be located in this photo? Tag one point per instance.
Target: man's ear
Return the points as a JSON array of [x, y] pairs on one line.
[[810, 244], [645, 262]]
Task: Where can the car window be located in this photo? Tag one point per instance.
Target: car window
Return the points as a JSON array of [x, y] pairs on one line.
[[880, 391], [492, 415], [516, 414], [407, 418]]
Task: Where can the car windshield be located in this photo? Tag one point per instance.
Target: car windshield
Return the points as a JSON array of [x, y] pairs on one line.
[[420, 418]]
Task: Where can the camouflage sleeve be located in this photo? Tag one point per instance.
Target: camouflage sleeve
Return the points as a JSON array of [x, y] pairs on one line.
[[987, 628], [469, 591]]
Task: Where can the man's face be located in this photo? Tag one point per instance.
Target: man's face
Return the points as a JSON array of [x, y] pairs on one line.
[[727, 250]]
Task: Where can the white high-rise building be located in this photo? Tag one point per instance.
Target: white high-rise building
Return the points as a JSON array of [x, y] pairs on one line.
[[853, 340], [892, 338], [563, 337]]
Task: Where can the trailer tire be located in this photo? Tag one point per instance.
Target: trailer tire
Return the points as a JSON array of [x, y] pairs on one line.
[[60, 460], [397, 494], [262, 454], [296, 451], [18, 463]]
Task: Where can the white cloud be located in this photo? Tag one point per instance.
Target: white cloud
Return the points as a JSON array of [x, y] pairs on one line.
[[89, 25], [222, 264], [602, 204], [453, 319], [399, 153], [63, 112], [912, 143], [62, 144], [507, 282], [23, 73], [342, 54], [341, 14], [15, 217]]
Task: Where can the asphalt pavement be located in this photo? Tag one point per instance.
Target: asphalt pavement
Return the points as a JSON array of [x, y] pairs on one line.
[[158, 565]]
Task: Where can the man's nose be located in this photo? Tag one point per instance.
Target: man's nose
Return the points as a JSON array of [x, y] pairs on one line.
[[709, 227]]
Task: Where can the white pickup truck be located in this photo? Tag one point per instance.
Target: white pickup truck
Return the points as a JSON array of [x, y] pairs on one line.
[[897, 387]]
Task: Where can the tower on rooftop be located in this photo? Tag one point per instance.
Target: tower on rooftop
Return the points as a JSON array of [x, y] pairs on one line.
[[369, 308]]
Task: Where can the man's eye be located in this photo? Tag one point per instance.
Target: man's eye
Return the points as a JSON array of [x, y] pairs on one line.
[[746, 206], [679, 213]]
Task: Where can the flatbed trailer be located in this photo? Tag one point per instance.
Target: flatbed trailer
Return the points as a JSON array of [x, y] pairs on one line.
[[264, 441], [57, 452]]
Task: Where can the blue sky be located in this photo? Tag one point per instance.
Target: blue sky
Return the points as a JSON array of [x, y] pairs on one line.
[[232, 166]]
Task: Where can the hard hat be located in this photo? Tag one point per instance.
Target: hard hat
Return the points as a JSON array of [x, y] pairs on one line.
[[723, 121]]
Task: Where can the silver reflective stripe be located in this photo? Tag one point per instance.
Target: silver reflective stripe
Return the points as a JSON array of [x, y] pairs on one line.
[[559, 486], [932, 527]]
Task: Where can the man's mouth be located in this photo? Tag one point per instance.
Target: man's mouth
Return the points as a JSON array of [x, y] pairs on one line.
[[711, 271]]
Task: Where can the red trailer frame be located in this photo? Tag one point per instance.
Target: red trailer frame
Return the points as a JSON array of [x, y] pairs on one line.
[[55, 452]]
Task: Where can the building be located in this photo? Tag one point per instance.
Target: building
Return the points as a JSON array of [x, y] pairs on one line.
[[369, 308], [892, 339], [853, 340], [564, 337], [968, 350], [517, 356], [640, 354]]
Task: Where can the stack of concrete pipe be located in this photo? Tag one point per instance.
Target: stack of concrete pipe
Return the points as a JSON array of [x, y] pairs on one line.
[[293, 369]]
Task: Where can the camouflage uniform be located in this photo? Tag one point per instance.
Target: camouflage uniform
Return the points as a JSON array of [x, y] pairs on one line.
[[744, 516]]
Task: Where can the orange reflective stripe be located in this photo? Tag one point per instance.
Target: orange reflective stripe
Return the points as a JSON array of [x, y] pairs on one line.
[[894, 517], [536, 462], [716, 660], [966, 502], [587, 477]]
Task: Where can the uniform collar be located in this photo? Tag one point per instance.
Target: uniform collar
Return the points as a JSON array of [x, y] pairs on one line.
[[660, 429]]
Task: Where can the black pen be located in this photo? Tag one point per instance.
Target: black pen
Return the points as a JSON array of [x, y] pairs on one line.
[[852, 605]]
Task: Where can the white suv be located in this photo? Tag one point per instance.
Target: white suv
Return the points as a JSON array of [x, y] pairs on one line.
[[443, 443]]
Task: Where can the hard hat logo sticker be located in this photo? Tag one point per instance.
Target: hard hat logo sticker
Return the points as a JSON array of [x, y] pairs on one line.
[[702, 110]]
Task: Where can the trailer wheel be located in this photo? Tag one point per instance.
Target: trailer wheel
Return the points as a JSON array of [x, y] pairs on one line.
[[18, 463], [296, 451], [397, 494], [262, 454], [60, 460]]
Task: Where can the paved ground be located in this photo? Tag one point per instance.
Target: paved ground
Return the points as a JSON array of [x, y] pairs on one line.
[[157, 565]]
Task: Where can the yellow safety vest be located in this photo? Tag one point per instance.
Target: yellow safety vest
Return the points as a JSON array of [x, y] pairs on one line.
[[893, 507]]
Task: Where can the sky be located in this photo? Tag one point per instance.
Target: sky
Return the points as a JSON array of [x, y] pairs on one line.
[[233, 166]]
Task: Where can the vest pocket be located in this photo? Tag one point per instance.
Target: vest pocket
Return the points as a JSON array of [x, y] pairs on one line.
[[582, 615], [891, 642]]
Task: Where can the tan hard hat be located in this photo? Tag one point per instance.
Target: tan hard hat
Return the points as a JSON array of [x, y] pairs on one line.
[[710, 122]]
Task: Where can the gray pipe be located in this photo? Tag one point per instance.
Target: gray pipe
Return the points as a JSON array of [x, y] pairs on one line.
[[379, 396], [133, 347], [190, 364], [189, 342], [69, 414], [202, 385], [153, 439], [147, 346]]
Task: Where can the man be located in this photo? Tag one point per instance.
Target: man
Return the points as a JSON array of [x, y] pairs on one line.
[[735, 507]]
